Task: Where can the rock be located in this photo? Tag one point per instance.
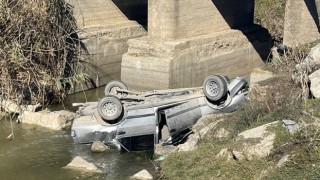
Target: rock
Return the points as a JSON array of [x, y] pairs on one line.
[[221, 133], [274, 92], [290, 125], [309, 65], [13, 108], [160, 150], [53, 120], [191, 144], [256, 142], [202, 129], [282, 161], [224, 154], [315, 83], [81, 164], [142, 175], [99, 146], [258, 75], [238, 155]]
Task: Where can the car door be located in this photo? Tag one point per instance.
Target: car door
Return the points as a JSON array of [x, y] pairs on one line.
[[136, 133], [182, 116]]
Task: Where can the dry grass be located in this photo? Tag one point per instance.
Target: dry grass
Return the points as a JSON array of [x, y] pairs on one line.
[[37, 49]]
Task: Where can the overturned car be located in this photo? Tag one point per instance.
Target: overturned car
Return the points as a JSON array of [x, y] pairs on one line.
[[134, 121]]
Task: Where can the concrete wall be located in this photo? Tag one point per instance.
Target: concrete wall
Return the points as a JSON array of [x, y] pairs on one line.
[[104, 31], [301, 22], [174, 19], [152, 64], [191, 39]]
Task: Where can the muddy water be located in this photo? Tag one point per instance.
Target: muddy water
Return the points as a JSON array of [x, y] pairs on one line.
[[38, 153]]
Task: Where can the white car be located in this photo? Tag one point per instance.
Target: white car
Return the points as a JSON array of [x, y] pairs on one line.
[[135, 121]]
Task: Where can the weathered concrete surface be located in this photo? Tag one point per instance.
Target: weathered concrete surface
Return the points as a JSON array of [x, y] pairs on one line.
[[301, 22], [174, 19], [104, 31], [259, 74], [153, 64]]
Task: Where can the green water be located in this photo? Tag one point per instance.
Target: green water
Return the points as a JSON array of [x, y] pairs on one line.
[[38, 153]]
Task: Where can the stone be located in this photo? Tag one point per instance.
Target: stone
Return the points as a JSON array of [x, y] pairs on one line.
[[191, 144], [80, 164], [282, 161], [225, 154], [258, 75], [221, 133], [237, 155], [274, 92], [142, 175], [315, 83], [13, 108], [56, 120], [256, 142], [300, 26], [309, 65], [160, 150], [99, 146], [290, 125]]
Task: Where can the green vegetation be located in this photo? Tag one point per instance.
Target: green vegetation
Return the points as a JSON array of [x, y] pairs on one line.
[[270, 14], [302, 147], [38, 49], [285, 100]]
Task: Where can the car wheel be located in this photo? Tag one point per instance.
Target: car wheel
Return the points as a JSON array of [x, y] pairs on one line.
[[112, 87], [215, 87], [110, 108]]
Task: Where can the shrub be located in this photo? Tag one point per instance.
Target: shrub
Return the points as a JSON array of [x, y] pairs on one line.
[[37, 48]]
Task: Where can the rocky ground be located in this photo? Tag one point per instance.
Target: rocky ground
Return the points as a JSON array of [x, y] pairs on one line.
[[274, 136]]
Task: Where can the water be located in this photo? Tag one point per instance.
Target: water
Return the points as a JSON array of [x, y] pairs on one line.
[[38, 153]]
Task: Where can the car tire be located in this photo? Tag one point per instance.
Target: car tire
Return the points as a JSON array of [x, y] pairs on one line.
[[110, 109], [112, 86], [215, 87]]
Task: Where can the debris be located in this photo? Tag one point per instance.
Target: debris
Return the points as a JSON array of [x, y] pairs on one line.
[[290, 125]]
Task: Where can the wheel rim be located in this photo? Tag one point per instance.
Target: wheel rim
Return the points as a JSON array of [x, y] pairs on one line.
[[110, 109], [212, 88]]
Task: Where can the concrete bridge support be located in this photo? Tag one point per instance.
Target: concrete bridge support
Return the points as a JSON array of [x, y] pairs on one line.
[[190, 39], [104, 31], [301, 22]]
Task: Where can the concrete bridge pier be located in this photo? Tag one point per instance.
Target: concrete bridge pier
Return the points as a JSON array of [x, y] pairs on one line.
[[104, 31], [190, 39]]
